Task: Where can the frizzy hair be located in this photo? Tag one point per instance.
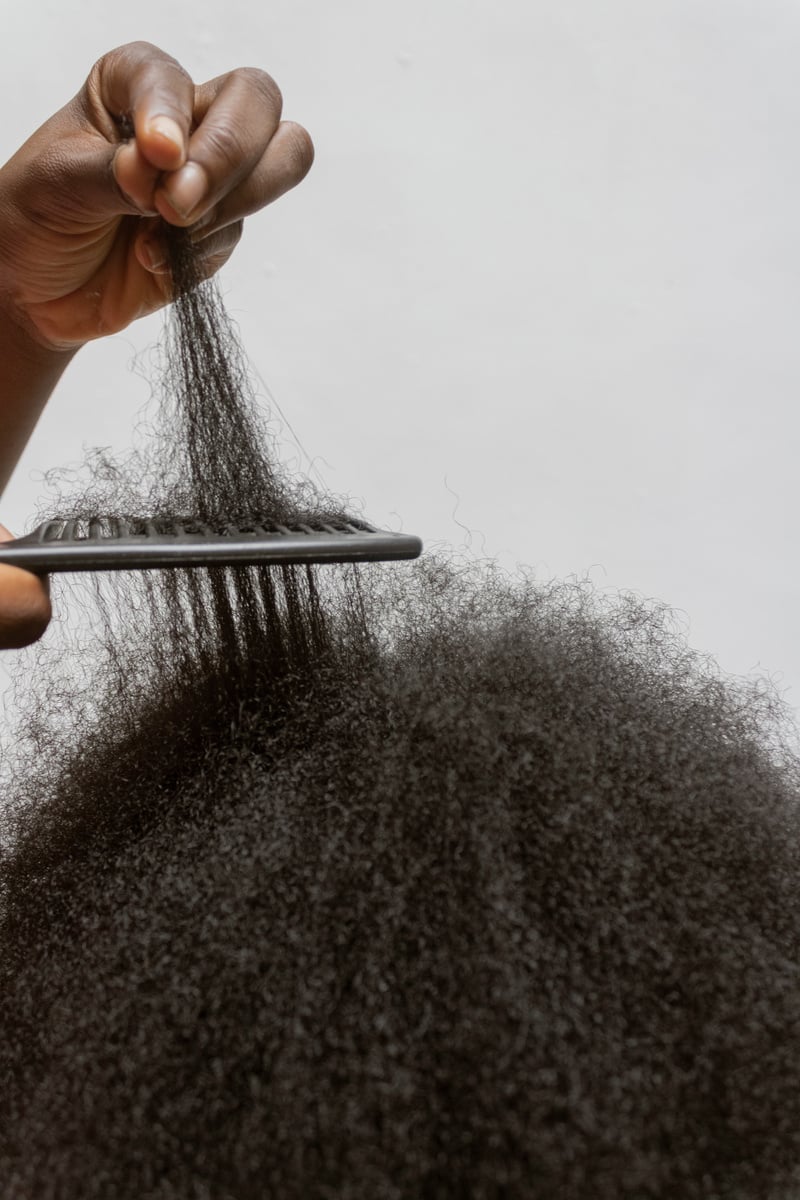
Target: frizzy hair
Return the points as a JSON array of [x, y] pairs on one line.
[[391, 881]]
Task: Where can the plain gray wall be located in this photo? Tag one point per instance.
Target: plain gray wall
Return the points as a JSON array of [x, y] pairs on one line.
[[542, 282]]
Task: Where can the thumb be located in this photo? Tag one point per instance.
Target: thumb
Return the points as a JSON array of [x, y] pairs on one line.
[[66, 173], [24, 604]]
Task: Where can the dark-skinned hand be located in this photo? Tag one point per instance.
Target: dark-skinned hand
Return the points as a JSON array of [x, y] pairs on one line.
[[81, 205]]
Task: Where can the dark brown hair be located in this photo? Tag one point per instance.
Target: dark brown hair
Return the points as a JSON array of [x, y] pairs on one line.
[[390, 882]]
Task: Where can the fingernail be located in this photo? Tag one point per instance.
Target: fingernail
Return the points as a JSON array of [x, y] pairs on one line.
[[186, 188], [154, 255], [167, 129]]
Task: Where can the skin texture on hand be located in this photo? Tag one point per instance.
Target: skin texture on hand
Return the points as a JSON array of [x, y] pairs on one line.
[[81, 206], [80, 202]]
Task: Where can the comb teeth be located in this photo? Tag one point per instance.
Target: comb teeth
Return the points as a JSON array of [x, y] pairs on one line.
[[139, 543], [108, 528]]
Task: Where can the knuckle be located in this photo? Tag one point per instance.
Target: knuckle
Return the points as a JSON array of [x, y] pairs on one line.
[[136, 65], [140, 53], [224, 142], [108, 60], [138, 50], [263, 85], [125, 58], [137, 60]]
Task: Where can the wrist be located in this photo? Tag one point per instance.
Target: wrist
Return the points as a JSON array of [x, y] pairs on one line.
[[25, 344], [29, 371]]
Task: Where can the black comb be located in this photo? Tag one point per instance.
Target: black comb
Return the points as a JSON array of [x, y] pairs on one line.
[[114, 544]]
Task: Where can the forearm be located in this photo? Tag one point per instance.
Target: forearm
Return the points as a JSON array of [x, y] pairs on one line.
[[28, 374]]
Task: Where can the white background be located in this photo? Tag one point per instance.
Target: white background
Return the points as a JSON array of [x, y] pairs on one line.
[[541, 285]]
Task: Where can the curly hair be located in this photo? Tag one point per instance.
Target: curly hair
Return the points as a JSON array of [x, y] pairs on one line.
[[376, 883]]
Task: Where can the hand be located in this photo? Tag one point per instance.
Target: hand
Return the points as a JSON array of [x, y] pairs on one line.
[[24, 604], [81, 202], [81, 206]]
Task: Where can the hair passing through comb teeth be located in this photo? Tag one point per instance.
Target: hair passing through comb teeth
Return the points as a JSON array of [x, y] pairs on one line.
[[137, 543]]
